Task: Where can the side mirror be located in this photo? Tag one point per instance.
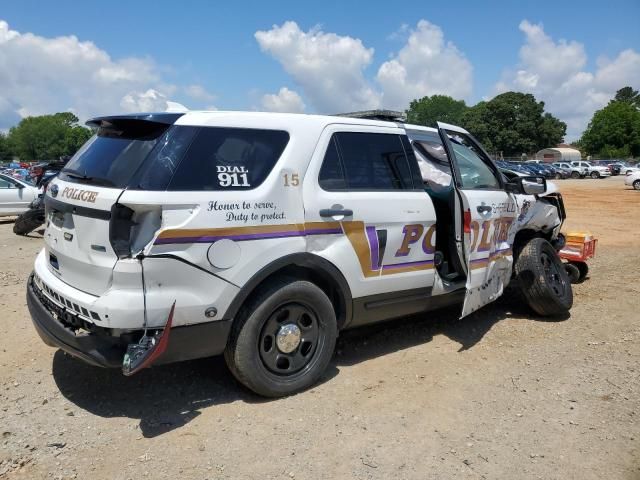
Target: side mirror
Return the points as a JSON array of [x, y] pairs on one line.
[[19, 186], [527, 185]]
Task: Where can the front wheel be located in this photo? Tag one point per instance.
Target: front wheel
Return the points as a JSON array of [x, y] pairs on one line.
[[543, 280], [636, 184], [283, 341], [575, 175], [595, 175]]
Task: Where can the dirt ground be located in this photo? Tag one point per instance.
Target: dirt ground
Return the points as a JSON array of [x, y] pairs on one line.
[[500, 394]]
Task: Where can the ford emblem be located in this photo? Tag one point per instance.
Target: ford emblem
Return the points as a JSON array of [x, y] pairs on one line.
[[54, 190]]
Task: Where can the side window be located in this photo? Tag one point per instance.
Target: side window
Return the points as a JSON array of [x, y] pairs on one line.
[[331, 173], [229, 159], [475, 172], [5, 183], [373, 161]]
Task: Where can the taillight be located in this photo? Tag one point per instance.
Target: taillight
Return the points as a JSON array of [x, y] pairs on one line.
[[467, 221], [120, 230]]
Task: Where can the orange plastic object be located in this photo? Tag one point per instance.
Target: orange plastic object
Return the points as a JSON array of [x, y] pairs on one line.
[[579, 247]]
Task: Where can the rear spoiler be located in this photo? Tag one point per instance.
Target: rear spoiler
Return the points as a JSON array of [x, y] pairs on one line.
[[165, 118], [139, 126]]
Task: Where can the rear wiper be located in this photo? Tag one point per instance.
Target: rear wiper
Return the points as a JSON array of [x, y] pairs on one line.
[[85, 178], [77, 175]]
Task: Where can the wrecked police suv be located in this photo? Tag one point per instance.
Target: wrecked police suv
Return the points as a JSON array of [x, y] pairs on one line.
[[176, 236]]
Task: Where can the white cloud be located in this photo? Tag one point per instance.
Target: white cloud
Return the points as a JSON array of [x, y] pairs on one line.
[[329, 68], [285, 100], [554, 71], [149, 101], [198, 92], [426, 65], [42, 75]]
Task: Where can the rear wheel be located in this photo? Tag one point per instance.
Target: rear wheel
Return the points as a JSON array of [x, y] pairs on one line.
[[543, 280], [283, 340], [595, 175], [636, 184]]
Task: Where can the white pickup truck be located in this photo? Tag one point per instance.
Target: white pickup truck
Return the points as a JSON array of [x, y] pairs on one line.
[[261, 235], [593, 171]]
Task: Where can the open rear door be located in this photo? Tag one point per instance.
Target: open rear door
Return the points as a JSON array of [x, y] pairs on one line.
[[487, 212]]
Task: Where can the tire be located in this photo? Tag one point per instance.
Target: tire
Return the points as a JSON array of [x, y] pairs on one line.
[[572, 272], [575, 175], [558, 176], [595, 175], [29, 221], [543, 280], [636, 184], [258, 353], [583, 268]]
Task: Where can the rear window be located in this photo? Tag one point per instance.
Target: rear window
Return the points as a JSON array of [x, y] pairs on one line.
[[178, 158]]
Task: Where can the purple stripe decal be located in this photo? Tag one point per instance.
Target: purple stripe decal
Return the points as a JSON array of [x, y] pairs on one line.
[[252, 236], [408, 264], [372, 237]]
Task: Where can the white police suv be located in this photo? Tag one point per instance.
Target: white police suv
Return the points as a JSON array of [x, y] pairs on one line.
[[175, 236]]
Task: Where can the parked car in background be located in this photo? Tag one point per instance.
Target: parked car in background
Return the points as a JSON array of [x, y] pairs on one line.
[[15, 195], [628, 169], [594, 171], [615, 168], [538, 169], [575, 172], [633, 180]]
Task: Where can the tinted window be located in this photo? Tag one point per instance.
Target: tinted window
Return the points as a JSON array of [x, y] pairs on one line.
[[331, 173], [111, 157], [370, 161], [475, 172], [156, 172], [229, 159]]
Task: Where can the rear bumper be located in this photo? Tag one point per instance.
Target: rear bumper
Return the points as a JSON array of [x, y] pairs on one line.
[[186, 342]]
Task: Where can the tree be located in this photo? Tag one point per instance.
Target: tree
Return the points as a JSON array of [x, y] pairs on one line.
[[513, 123], [628, 95], [613, 131], [47, 137], [5, 148], [428, 110]]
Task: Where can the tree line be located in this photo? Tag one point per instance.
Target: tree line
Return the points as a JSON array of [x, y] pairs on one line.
[[514, 123], [45, 137], [509, 124]]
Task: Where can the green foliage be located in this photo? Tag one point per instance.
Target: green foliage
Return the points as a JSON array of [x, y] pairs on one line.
[[5, 148], [428, 110], [513, 123], [614, 131], [628, 95], [47, 137]]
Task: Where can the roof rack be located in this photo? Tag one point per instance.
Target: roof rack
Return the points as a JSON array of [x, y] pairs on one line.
[[387, 115]]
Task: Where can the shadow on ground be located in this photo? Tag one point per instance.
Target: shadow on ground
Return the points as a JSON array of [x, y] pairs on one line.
[[167, 397]]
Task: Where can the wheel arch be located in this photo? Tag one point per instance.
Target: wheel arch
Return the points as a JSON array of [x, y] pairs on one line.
[[303, 266], [523, 236]]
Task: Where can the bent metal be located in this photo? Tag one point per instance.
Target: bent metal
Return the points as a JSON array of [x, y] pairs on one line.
[[77, 194]]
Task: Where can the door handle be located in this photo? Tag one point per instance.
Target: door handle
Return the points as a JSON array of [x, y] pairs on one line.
[[484, 209], [335, 212]]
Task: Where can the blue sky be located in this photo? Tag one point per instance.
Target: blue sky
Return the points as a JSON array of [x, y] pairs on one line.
[[212, 46]]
